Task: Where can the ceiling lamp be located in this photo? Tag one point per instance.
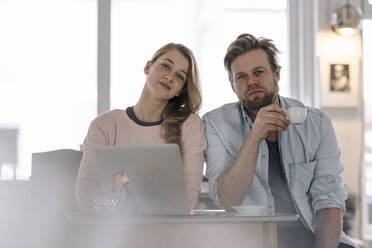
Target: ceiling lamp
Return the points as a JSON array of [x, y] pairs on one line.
[[345, 20]]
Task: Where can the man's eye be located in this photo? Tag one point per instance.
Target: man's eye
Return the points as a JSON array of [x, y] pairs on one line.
[[258, 72]]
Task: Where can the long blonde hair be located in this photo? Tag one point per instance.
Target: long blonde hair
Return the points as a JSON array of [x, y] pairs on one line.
[[189, 101]]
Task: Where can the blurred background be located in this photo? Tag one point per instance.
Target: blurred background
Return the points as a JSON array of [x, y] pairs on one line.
[[63, 62]]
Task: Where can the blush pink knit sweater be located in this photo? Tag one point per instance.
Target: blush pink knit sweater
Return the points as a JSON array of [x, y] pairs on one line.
[[115, 128]]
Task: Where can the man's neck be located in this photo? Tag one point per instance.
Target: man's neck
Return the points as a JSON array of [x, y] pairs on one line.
[[252, 114], [272, 135]]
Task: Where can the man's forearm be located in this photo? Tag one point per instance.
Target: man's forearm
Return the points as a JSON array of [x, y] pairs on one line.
[[328, 228], [235, 182]]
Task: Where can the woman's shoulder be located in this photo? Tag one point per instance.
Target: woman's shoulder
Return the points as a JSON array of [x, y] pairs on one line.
[[193, 133], [109, 117], [193, 124], [192, 119]]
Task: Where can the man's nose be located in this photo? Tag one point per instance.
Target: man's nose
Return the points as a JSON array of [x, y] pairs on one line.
[[251, 81]]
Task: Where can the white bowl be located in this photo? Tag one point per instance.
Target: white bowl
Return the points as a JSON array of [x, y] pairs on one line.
[[251, 210]]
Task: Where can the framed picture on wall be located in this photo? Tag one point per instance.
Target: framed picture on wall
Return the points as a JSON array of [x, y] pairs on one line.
[[339, 81]]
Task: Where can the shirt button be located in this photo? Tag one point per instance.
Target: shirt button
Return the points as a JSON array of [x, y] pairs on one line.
[[264, 156]]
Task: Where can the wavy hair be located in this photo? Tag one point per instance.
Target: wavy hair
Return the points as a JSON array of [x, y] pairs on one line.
[[247, 42], [189, 101]]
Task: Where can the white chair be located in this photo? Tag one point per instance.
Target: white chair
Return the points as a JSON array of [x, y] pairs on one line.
[[53, 178], [8, 148], [52, 194]]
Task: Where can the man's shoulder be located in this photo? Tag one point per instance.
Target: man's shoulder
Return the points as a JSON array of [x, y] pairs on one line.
[[286, 102], [224, 111]]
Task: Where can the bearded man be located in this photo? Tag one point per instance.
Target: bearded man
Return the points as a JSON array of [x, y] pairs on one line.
[[255, 156]]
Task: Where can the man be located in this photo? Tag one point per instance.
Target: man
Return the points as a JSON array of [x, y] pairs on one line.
[[255, 156]]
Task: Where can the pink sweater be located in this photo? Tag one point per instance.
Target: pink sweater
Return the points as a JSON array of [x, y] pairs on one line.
[[115, 128]]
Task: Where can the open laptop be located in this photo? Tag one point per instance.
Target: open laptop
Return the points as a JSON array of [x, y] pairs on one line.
[[156, 176]]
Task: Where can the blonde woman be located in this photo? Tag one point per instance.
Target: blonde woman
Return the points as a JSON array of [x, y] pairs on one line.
[[165, 113]]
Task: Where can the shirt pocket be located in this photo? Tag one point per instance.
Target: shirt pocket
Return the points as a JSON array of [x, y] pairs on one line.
[[301, 177]]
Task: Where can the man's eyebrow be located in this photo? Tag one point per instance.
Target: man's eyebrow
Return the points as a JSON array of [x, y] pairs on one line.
[[170, 61], [259, 67]]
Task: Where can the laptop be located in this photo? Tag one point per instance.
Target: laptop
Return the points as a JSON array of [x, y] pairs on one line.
[[156, 177]]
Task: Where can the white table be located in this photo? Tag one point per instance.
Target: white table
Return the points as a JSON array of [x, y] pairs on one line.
[[222, 230]]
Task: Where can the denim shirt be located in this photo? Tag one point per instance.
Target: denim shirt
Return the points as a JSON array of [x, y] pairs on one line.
[[310, 157]]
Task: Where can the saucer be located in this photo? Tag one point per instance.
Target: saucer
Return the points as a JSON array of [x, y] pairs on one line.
[[251, 210]]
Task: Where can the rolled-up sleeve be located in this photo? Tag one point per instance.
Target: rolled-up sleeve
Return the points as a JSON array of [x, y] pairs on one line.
[[216, 156], [193, 144], [327, 189]]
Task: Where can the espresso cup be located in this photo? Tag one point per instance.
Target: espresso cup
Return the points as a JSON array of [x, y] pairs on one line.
[[296, 115]]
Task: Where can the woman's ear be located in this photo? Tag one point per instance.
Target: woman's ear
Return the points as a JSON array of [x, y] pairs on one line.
[[147, 67]]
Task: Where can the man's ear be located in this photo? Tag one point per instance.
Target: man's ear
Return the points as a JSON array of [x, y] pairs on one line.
[[147, 67], [277, 75]]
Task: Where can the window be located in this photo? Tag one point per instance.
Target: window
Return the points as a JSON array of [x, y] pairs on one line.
[[207, 27], [47, 75], [138, 29], [48, 79]]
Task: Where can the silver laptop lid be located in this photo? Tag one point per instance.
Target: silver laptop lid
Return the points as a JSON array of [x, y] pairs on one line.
[[156, 176]]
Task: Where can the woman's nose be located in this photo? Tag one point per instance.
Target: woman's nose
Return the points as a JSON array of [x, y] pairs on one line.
[[169, 78]]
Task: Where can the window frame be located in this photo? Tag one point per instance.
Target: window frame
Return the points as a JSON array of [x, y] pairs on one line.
[[302, 21]]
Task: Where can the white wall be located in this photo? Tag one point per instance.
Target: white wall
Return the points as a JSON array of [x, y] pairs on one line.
[[348, 122]]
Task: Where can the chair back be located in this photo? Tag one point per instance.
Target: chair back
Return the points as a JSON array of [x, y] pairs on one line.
[[53, 179]]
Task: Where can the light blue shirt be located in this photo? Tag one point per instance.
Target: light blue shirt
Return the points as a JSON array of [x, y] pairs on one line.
[[310, 157]]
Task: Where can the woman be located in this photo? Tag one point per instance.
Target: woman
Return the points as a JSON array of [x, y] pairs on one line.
[[165, 113]]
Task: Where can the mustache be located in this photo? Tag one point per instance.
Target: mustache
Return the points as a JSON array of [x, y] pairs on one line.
[[253, 89]]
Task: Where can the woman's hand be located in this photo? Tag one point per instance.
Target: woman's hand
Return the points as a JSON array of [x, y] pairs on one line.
[[121, 179]]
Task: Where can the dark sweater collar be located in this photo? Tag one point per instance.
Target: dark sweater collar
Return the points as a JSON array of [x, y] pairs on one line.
[[133, 117]]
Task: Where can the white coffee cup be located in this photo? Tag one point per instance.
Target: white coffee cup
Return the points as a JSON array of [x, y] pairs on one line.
[[296, 115]]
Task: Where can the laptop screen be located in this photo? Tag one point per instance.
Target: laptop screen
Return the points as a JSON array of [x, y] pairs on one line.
[[156, 176]]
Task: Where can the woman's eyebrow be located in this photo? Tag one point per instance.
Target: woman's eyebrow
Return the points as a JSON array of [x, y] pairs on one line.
[[170, 61]]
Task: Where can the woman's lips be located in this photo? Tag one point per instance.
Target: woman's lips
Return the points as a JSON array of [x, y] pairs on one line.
[[165, 85]]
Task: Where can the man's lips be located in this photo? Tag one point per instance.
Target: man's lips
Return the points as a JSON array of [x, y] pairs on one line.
[[165, 85], [255, 92]]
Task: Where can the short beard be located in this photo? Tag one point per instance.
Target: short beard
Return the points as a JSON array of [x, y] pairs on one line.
[[257, 103]]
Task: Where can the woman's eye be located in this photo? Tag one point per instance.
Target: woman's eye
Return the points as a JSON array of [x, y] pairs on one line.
[[240, 76], [166, 66], [180, 77]]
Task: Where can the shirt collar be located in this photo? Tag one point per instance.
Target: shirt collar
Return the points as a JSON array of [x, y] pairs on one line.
[[244, 113], [246, 116]]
